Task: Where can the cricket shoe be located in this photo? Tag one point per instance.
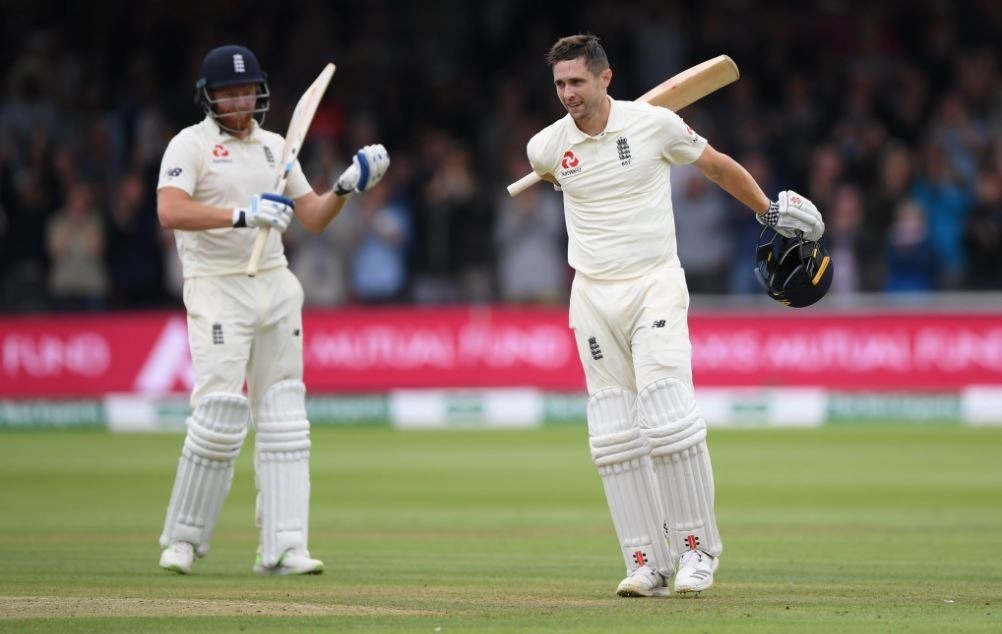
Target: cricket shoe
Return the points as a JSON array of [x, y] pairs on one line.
[[695, 572], [643, 582], [292, 562], [178, 558]]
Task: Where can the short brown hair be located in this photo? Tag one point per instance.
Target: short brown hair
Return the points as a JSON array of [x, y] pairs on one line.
[[583, 45]]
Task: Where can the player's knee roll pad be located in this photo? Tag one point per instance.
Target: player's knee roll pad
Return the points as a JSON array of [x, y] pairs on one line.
[[676, 434], [619, 453], [216, 431], [282, 460], [668, 417]]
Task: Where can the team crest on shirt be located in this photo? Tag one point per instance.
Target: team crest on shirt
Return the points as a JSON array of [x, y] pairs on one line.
[[623, 147], [570, 163]]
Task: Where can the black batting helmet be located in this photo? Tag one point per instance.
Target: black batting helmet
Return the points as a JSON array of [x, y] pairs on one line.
[[231, 65], [793, 271]]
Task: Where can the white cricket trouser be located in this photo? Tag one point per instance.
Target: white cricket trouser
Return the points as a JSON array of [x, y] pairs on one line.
[[631, 333], [242, 327], [646, 435]]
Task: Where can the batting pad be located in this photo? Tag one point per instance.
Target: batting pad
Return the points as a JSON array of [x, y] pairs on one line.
[[282, 458], [676, 434], [216, 431], [619, 453]]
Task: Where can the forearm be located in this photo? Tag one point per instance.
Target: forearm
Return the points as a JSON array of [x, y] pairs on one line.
[[736, 181], [189, 215], [316, 211], [733, 178]]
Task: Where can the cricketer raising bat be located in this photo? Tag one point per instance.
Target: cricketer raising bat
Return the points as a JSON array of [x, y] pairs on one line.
[[675, 93], [299, 124]]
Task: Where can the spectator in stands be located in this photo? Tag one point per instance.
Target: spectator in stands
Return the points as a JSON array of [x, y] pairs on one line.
[[381, 237], [701, 227], [983, 235], [133, 253], [530, 241], [78, 279], [946, 202], [911, 263], [857, 252], [894, 183]]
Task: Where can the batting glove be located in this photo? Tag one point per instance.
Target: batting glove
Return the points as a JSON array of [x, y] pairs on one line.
[[265, 210], [367, 168], [791, 214]]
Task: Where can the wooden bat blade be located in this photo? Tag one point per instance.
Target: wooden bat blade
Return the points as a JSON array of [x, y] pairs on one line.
[[675, 93], [693, 84], [299, 125]]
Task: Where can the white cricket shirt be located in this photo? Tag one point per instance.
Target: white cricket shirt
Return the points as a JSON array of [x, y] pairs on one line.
[[617, 196], [218, 169]]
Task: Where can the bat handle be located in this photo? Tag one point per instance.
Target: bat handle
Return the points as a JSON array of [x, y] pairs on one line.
[[255, 259], [523, 184]]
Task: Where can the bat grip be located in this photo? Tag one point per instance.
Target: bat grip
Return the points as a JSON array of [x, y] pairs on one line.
[[523, 184], [255, 259]]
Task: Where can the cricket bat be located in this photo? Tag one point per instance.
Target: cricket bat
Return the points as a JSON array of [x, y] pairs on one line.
[[299, 124], [675, 93]]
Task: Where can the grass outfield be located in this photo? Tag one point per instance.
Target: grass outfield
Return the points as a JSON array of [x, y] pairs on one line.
[[840, 529]]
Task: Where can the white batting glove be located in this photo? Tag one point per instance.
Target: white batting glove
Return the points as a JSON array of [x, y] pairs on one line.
[[792, 213], [367, 168], [265, 210]]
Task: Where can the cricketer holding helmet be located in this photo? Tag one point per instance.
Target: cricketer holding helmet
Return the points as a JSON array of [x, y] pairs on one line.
[[214, 189], [628, 310]]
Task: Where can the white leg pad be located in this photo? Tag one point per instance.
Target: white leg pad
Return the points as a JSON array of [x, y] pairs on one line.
[[676, 434], [216, 431], [620, 454], [282, 460]]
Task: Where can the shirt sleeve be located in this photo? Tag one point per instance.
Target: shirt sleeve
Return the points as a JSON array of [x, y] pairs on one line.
[[179, 167], [297, 185], [681, 143], [534, 151]]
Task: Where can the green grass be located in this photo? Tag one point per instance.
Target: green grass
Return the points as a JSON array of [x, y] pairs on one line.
[[844, 529]]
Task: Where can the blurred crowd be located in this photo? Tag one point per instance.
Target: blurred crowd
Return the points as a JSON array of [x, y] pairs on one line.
[[888, 116]]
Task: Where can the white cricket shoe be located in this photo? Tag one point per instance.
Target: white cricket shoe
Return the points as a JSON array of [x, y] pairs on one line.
[[643, 582], [292, 562], [695, 572], [178, 557]]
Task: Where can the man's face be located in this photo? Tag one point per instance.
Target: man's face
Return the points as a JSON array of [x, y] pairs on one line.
[[235, 104], [581, 92]]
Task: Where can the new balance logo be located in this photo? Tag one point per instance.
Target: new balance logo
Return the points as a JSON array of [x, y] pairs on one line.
[[659, 323], [268, 155], [238, 63], [217, 333], [596, 351]]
